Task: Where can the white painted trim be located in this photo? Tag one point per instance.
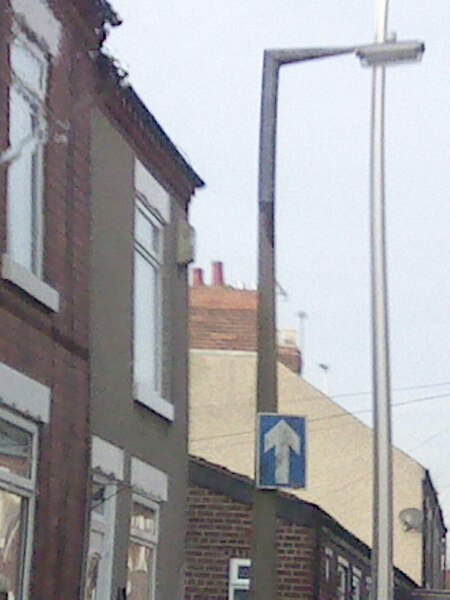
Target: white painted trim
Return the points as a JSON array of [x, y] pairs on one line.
[[343, 561], [223, 352], [235, 583], [108, 529], [107, 457], [153, 401], [27, 281], [155, 195], [40, 19], [24, 394], [148, 479]]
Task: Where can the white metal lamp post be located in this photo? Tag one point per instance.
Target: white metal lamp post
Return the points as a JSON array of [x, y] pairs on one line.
[[263, 571]]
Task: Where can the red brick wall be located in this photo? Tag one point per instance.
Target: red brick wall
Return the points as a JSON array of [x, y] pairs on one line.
[[53, 348], [219, 528], [224, 318]]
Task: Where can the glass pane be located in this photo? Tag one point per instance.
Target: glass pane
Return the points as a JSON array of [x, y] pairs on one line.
[[241, 595], [143, 520], [93, 566], [12, 512], [27, 66], [15, 450], [98, 498], [244, 572], [21, 183], [145, 310], [146, 233], [140, 572]]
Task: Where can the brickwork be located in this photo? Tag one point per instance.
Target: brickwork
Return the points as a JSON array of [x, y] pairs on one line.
[[317, 558], [49, 347], [224, 318], [219, 529]]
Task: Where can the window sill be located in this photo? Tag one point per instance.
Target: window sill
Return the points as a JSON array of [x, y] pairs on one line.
[[27, 281], [150, 399]]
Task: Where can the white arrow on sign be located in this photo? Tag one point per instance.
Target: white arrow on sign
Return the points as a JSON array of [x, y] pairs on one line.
[[283, 438]]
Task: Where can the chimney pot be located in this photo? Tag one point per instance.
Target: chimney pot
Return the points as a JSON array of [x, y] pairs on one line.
[[197, 280], [217, 273]]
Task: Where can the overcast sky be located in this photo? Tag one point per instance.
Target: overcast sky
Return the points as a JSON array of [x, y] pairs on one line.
[[197, 65]]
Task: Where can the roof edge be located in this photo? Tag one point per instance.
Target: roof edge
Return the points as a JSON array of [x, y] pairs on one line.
[[108, 67]]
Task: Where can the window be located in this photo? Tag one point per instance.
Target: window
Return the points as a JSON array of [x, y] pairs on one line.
[[25, 174], [239, 587], [356, 584], [328, 564], [101, 540], [18, 446], [343, 579], [148, 260], [142, 550]]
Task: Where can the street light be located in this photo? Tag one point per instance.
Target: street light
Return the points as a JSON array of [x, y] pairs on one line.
[[263, 571]]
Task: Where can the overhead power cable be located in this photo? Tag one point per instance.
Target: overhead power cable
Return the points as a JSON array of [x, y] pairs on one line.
[[329, 417]]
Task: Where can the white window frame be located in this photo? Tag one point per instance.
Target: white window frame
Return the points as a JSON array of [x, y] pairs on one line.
[[343, 564], [237, 583], [151, 396], [30, 280], [25, 487], [356, 590], [327, 566], [104, 524], [36, 99], [146, 539]]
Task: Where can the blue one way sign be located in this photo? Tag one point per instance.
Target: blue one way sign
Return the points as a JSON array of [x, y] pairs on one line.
[[281, 451]]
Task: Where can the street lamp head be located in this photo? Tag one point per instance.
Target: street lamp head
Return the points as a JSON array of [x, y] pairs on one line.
[[390, 53]]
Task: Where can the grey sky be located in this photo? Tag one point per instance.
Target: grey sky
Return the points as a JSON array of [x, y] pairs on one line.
[[197, 65]]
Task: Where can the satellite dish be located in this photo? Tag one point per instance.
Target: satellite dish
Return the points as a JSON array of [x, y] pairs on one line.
[[411, 518]]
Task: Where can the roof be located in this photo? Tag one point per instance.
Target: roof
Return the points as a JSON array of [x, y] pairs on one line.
[[109, 14], [289, 507], [108, 67]]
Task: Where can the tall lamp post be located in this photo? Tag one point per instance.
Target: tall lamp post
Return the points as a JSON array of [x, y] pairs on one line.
[[263, 572]]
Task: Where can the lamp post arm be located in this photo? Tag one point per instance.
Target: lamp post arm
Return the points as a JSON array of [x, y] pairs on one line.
[[295, 55]]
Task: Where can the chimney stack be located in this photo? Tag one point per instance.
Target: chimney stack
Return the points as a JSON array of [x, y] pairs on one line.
[[197, 278], [217, 274]]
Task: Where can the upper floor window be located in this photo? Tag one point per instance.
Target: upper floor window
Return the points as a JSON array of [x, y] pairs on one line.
[[151, 218], [27, 126], [239, 581], [142, 548], [147, 300]]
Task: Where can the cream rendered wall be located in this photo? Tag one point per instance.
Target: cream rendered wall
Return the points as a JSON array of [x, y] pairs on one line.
[[339, 478]]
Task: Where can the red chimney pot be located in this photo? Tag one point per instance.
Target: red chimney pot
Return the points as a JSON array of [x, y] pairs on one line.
[[197, 280], [217, 273]]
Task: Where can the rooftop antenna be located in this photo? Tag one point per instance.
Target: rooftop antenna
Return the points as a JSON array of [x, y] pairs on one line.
[[326, 377], [302, 317]]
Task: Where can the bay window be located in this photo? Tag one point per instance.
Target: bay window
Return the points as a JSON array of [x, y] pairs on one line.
[[18, 447], [142, 549], [101, 539]]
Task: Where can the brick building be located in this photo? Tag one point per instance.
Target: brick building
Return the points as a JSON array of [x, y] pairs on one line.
[[317, 558], [339, 478], [223, 317], [140, 248], [46, 83]]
